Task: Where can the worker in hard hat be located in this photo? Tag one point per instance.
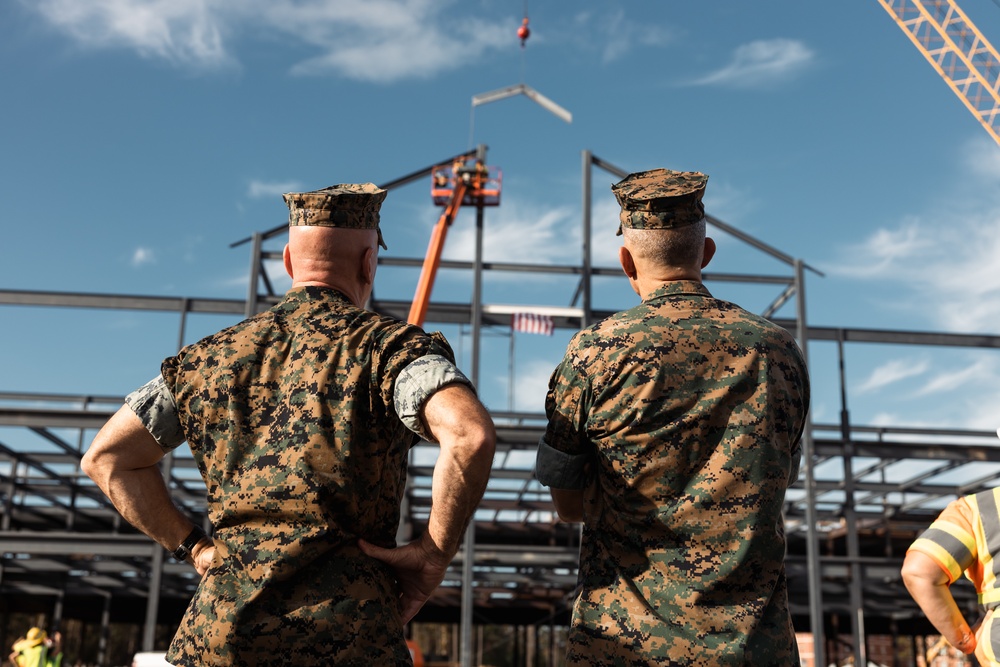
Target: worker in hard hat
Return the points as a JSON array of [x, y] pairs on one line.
[[31, 650]]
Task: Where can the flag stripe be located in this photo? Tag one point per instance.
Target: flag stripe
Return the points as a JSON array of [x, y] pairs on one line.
[[532, 323]]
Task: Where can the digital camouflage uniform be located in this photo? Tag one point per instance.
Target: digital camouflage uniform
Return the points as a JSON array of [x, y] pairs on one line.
[[300, 420], [680, 420]]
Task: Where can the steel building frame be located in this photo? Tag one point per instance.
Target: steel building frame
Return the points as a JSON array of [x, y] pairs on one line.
[[864, 493]]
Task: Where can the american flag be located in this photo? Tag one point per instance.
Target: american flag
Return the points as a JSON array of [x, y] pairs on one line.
[[532, 323]]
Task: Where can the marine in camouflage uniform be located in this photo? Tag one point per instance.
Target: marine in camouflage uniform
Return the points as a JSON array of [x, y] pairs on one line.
[[673, 433], [300, 420]]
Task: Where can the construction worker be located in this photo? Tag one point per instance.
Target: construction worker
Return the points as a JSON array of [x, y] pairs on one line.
[[32, 650], [963, 538], [457, 167], [481, 174]]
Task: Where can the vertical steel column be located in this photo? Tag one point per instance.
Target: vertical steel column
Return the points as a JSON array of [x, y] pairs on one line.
[[57, 609], [587, 182], [166, 469], [510, 372], [155, 580], [11, 489], [469, 548], [812, 538], [71, 515], [851, 519], [185, 306], [251, 308], [102, 642]]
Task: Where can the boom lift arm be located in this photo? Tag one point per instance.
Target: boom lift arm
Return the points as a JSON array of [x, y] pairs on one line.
[[422, 297]]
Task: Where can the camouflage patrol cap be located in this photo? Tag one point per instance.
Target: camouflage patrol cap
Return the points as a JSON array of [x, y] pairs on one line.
[[346, 205], [660, 199]]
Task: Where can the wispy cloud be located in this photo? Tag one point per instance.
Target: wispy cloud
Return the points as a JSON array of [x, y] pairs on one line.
[[621, 35], [142, 256], [886, 251], [186, 32], [762, 63], [523, 234], [891, 372], [981, 372], [389, 41], [531, 384], [983, 159], [612, 34], [259, 189], [376, 40], [947, 258]]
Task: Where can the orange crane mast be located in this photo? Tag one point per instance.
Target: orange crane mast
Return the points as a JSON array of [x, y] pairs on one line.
[[957, 50]]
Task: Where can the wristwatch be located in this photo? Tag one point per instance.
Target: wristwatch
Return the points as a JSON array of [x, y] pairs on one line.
[[183, 552]]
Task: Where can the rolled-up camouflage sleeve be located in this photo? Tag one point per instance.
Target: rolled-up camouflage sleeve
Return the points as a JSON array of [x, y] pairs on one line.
[[560, 470], [564, 451], [155, 408], [417, 382]]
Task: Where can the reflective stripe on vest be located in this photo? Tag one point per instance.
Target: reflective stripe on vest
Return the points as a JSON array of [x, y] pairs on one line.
[[946, 548], [987, 506]]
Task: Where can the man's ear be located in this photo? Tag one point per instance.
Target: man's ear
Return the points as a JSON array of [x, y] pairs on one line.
[[286, 257], [709, 251], [369, 262], [627, 262]]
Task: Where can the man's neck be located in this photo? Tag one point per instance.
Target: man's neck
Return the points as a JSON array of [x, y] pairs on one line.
[[645, 286], [353, 293]]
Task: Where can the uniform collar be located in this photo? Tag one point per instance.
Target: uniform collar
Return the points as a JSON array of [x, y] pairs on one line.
[[313, 292], [678, 288]]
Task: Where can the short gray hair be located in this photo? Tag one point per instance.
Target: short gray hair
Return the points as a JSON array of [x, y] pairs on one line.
[[682, 246]]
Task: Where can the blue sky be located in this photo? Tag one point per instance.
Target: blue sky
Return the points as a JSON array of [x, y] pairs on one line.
[[142, 138]]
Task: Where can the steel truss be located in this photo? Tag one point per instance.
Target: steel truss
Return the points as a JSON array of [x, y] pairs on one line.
[[864, 494]]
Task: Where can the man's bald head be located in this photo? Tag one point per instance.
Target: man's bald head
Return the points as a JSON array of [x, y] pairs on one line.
[[345, 259]]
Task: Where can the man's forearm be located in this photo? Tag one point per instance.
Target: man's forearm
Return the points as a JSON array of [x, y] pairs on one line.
[[457, 487], [929, 587], [568, 503], [941, 610], [142, 498], [467, 437], [123, 460]]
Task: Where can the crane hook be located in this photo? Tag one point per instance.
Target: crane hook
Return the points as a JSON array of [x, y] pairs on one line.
[[523, 32]]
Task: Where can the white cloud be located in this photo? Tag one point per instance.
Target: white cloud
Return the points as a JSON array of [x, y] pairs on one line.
[[613, 35], [951, 267], [182, 31], [259, 189], [886, 251], [622, 35], [762, 63], [983, 159], [401, 40], [947, 258], [531, 382], [525, 234], [375, 40], [142, 256], [891, 372], [979, 373]]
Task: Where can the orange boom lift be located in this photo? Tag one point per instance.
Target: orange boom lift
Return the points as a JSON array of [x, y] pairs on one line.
[[476, 185]]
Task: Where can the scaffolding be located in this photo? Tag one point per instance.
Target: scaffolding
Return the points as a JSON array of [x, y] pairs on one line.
[[863, 495]]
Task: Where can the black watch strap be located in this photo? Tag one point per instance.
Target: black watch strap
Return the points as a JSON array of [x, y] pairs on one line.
[[182, 552]]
